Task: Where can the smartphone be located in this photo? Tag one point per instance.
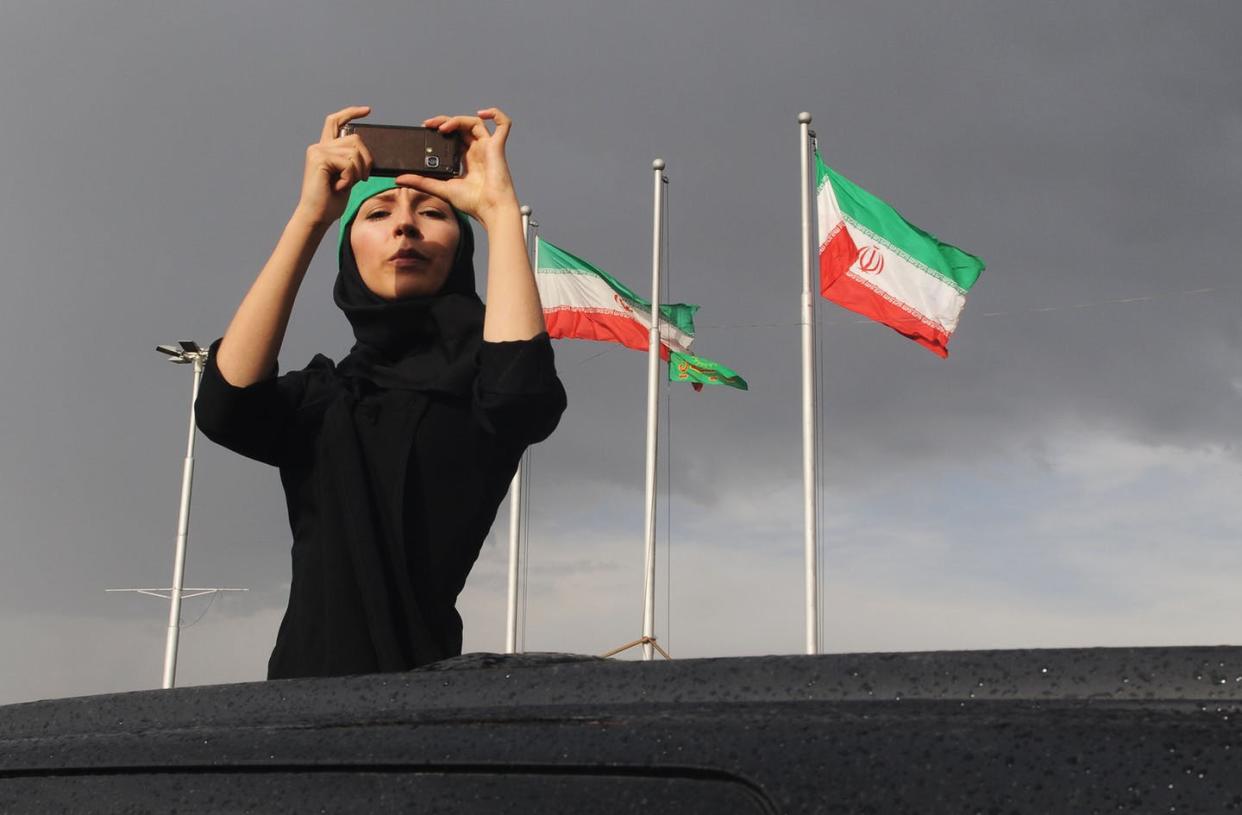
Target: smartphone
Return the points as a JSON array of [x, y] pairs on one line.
[[397, 149]]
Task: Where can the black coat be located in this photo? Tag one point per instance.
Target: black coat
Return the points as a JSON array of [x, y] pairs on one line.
[[436, 468]]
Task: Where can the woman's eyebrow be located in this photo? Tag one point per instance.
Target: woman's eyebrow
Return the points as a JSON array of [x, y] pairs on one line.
[[382, 198], [389, 198]]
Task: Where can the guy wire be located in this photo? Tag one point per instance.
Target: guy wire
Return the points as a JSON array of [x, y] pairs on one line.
[[818, 423], [1015, 312], [820, 491], [202, 613], [668, 444]]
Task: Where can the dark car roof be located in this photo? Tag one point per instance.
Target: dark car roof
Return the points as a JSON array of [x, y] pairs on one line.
[[1105, 729]]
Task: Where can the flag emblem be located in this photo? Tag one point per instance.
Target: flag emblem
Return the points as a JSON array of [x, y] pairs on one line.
[[871, 260]]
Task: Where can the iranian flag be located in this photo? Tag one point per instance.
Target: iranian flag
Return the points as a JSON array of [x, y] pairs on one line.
[[585, 303], [872, 261]]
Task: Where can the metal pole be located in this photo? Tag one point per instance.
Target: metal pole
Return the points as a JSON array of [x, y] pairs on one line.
[[515, 512], [807, 315], [183, 532], [653, 395]]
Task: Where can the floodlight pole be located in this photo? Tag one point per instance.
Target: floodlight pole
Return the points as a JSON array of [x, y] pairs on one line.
[[197, 357], [184, 353]]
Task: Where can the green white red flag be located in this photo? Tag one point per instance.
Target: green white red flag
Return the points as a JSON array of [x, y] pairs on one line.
[[585, 303], [873, 262]]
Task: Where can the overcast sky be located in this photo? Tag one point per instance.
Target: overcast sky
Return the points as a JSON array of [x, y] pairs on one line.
[[1069, 476]]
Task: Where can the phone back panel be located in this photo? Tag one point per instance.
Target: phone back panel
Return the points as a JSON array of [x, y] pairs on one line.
[[397, 149]]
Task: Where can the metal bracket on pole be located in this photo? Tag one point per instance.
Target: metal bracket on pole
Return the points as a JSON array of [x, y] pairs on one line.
[[176, 596], [166, 594]]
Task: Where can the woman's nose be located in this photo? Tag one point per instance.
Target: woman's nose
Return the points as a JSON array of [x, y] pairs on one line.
[[405, 227]]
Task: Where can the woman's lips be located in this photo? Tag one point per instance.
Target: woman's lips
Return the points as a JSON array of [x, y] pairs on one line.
[[408, 258]]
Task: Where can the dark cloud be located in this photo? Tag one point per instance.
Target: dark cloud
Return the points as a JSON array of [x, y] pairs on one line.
[[1089, 153]]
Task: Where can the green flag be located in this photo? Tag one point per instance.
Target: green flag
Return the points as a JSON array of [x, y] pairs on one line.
[[700, 371]]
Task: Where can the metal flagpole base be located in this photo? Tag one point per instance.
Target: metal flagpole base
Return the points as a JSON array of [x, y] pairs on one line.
[[640, 641]]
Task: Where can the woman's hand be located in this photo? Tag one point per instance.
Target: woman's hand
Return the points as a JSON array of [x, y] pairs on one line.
[[485, 188], [485, 192], [333, 165]]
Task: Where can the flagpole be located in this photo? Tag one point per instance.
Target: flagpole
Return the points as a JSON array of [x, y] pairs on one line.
[[653, 385], [808, 386], [515, 503]]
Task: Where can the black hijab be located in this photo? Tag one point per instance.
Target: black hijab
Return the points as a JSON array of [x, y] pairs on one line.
[[408, 352], [424, 343]]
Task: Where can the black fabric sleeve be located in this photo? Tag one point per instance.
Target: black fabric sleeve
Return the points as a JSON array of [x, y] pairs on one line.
[[255, 420], [517, 393]]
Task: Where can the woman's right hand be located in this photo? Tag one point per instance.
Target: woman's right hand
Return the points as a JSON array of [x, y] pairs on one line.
[[333, 165]]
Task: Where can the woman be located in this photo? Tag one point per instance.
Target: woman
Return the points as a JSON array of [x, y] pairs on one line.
[[395, 460]]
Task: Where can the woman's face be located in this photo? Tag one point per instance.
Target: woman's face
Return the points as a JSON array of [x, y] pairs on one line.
[[404, 242]]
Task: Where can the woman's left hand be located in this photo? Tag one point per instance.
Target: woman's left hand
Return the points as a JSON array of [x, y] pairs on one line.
[[485, 187]]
